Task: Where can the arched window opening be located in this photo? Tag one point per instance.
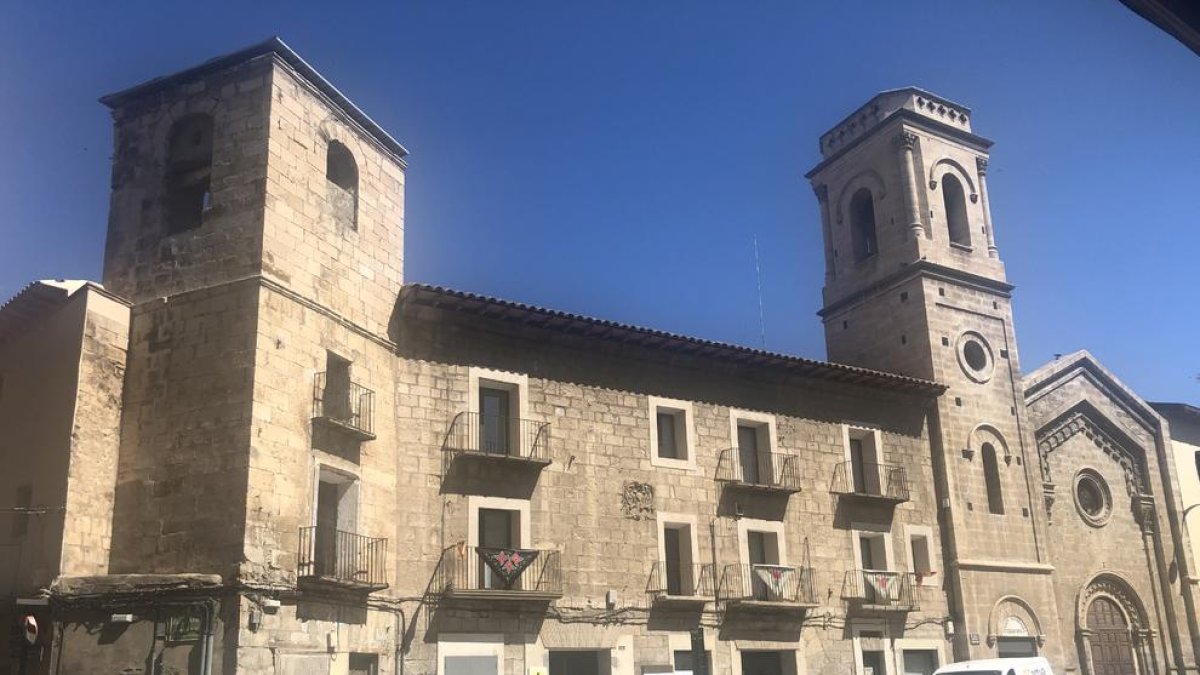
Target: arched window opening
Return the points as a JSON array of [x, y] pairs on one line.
[[956, 210], [341, 180], [862, 225], [991, 476], [189, 172]]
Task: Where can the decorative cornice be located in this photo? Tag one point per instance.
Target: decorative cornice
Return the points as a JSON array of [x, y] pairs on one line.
[[822, 192]]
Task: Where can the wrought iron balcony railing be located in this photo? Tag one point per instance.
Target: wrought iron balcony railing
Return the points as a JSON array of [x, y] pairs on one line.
[[343, 559], [881, 590], [883, 482], [678, 582], [759, 470], [346, 406], [499, 437], [768, 584], [502, 574]]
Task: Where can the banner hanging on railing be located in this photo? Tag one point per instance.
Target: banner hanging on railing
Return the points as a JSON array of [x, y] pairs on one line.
[[776, 577], [882, 582], [507, 563]]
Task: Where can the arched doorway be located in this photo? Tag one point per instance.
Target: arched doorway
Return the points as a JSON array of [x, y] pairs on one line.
[[1112, 646]]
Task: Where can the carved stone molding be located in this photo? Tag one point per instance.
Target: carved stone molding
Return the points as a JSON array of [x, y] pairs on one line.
[[1048, 497], [1077, 423], [981, 164], [822, 192], [1116, 589], [905, 139]]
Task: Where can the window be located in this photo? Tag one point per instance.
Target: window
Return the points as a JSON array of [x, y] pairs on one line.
[[920, 554], [975, 356], [872, 551], [767, 662], [920, 661], [364, 664], [864, 461], [341, 180], [685, 661], [753, 435], [336, 397], [20, 523], [671, 433], [670, 430], [762, 549], [678, 553], [580, 662], [956, 210], [991, 476], [499, 401], [862, 225], [336, 511], [188, 172], [1093, 498], [472, 654], [498, 528]]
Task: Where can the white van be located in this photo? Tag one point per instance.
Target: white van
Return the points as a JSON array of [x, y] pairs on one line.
[[1025, 666]]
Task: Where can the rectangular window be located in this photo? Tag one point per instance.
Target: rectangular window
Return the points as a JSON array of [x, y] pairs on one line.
[[669, 446], [749, 454], [920, 661], [873, 551], [364, 664], [685, 661], [762, 549], [498, 420], [671, 433], [874, 662], [920, 547]]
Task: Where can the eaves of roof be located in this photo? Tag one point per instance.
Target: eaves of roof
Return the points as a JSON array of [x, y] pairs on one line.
[[578, 324]]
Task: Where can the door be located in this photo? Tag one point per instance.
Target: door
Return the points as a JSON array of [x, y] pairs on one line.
[[578, 662], [762, 549], [364, 664], [762, 663], [747, 441], [865, 470], [495, 531], [675, 568], [1112, 648], [325, 541], [495, 433], [873, 663], [471, 665]]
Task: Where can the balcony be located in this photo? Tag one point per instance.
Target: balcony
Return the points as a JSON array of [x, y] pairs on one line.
[[499, 438], [880, 591], [681, 584], [346, 407], [341, 560], [478, 573], [768, 587], [759, 471], [871, 482]]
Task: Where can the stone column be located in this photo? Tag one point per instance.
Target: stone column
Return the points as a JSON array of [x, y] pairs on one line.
[[1085, 641], [981, 164], [822, 192], [906, 141]]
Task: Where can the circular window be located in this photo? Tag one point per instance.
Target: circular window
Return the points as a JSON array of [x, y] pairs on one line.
[[1092, 498], [975, 357]]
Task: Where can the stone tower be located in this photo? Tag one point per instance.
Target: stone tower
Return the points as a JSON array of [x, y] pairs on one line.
[[256, 225], [914, 284]]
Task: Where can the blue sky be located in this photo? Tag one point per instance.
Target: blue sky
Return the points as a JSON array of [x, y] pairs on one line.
[[578, 155]]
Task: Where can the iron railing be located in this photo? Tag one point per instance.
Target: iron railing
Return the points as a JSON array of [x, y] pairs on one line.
[[495, 436], [768, 583], [759, 469], [347, 405], [462, 571], [679, 580], [342, 558], [867, 479], [879, 589]]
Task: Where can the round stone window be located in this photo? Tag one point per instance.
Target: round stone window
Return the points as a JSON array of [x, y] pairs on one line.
[[1092, 498], [975, 357]]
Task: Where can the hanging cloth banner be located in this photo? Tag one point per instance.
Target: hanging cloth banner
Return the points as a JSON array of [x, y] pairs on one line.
[[777, 578], [882, 582], [507, 563]]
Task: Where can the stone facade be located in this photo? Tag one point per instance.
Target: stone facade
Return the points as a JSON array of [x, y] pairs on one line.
[[287, 461]]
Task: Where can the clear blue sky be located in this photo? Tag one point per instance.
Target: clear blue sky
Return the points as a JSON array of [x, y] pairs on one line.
[[578, 154]]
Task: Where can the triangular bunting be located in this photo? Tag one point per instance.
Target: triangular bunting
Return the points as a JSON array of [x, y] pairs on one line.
[[882, 583], [507, 563], [777, 578]]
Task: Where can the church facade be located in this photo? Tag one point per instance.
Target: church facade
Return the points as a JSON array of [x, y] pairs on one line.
[[274, 455]]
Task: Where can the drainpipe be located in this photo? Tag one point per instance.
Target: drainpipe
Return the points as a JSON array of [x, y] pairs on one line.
[[401, 631]]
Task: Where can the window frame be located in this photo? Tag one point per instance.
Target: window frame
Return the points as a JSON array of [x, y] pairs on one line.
[[910, 531], [684, 410], [852, 431], [747, 525], [858, 531]]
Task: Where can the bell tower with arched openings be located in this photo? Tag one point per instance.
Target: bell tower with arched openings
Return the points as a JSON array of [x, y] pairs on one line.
[[914, 285]]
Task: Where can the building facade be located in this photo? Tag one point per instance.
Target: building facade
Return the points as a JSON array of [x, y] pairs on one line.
[[284, 459]]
